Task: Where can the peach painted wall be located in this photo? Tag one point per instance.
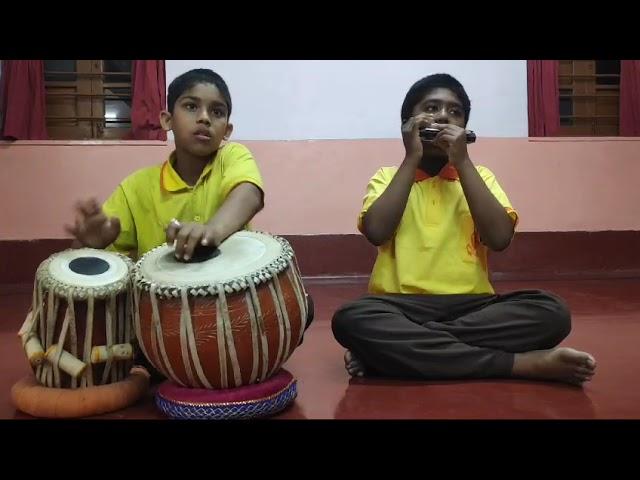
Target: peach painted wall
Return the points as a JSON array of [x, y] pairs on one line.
[[316, 187]]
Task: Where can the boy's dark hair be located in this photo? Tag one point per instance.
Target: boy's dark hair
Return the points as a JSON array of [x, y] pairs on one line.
[[190, 79], [439, 80]]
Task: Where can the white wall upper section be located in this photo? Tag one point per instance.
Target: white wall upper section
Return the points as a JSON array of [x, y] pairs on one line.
[[346, 99]]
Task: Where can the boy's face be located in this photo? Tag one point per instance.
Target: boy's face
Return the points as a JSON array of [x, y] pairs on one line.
[[441, 105], [200, 120]]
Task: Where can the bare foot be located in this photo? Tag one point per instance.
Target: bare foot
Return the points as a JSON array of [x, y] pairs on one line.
[[353, 365], [559, 364]]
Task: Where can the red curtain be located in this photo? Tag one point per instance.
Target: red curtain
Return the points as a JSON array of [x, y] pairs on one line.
[[630, 98], [148, 92], [543, 97], [23, 100]]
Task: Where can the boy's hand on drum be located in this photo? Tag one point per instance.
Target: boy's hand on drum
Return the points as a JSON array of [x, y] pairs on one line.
[[92, 227], [187, 236]]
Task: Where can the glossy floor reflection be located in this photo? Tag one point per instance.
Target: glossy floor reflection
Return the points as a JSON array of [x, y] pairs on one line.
[[606, 323]]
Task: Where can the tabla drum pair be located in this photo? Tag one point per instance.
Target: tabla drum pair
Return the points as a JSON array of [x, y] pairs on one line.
[[219, 330]]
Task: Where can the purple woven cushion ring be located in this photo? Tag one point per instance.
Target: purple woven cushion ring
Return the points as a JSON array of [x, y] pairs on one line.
[[250, 401]]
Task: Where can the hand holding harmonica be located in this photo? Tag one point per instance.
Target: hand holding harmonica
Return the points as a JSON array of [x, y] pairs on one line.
[[428, 134]]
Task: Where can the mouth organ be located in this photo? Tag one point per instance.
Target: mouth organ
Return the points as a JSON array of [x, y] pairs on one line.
[[428, 134]]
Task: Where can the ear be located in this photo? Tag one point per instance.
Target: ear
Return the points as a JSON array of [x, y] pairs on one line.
[[165, 120], [228, 131]]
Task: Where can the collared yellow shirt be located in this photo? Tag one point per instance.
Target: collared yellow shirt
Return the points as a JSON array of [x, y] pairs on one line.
[[436, 248], [147, 200]]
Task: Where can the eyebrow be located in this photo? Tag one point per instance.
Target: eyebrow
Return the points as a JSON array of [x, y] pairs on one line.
[[217, 103], [433, 100]]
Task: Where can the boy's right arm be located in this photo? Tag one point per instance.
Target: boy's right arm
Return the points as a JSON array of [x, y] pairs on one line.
[[384, 215], [92, 227]]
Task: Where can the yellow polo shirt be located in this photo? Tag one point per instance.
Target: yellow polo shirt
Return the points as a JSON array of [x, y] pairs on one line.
[[147, 200], [436, 248]]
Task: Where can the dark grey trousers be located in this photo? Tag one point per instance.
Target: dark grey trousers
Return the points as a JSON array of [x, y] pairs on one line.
[[449, 336]]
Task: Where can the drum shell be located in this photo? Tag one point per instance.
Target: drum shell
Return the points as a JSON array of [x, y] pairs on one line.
[[52, 357], [203, 312], [118, 370]]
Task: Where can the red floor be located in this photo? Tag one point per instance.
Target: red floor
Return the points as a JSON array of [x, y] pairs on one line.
[[606, 323]]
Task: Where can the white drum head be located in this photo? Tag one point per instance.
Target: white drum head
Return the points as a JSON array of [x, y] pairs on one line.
[[85, 271], [242, 254]]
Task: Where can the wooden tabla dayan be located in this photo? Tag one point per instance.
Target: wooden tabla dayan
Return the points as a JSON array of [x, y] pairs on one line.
[[79, 334], [228, 321]]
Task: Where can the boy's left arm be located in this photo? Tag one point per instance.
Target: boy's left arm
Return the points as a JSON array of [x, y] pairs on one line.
[[242, 190], [493, 222], [240, 206]]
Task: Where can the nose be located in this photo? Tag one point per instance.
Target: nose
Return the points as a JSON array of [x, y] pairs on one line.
[[203, 117], [441, 116]]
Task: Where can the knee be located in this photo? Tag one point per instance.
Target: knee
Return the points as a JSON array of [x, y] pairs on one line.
[[556, 319], [346, 321]]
